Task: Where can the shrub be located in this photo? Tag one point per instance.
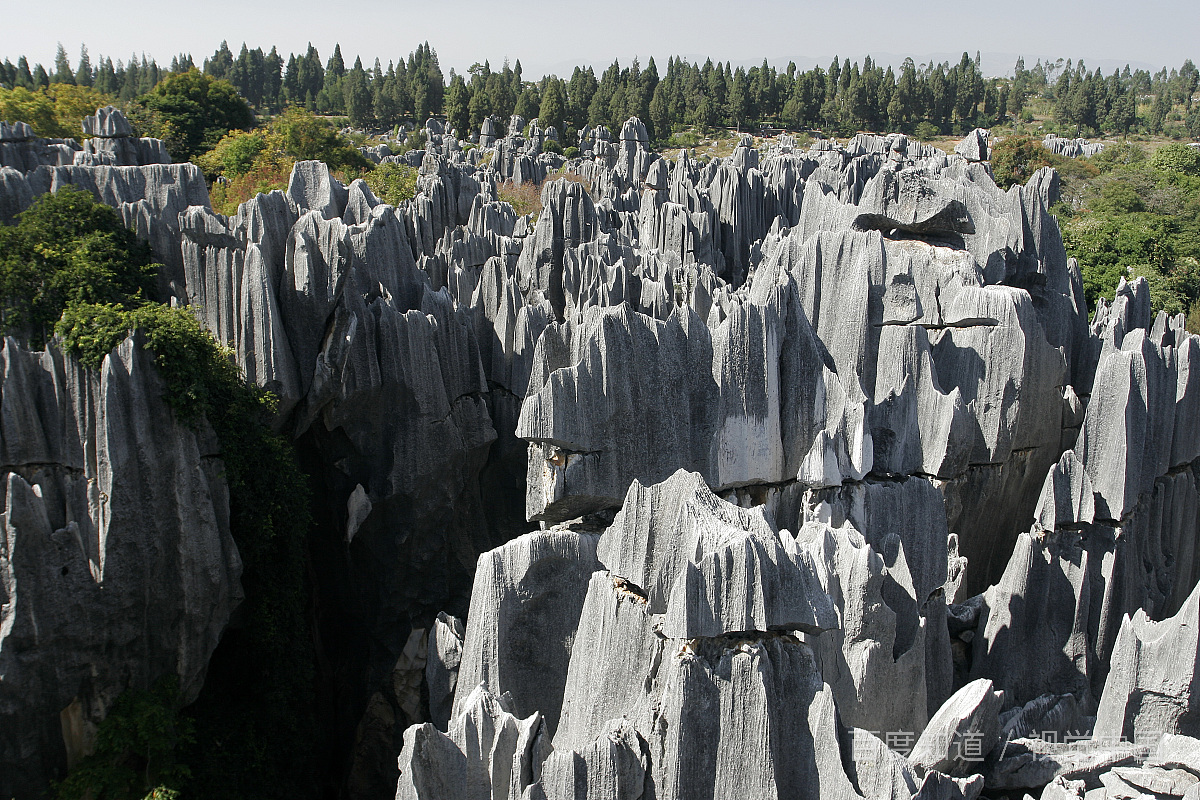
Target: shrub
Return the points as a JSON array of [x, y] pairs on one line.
[[1177, 157], [392, 183], [551, 146], [234, 155], [525, 198], [295, 135], [415, 140], [571, 152], [926, 130], [137, 749], [1016, 158], [67, 248], [306, 137], [1121, 154]]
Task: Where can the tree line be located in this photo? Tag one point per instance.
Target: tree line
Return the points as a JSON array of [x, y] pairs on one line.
[[923, 99]]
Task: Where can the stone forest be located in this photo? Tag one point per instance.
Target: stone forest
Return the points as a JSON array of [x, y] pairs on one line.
[[801, 471]]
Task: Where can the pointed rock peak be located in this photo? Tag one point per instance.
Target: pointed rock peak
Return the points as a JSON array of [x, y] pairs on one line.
[[1067, 496]]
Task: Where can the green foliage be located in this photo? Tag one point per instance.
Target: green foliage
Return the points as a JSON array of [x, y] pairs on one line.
[[200, 377], [261, 160], [392, 183], [67, 248], [684, 139], [1193, 318], [72, 103], [1139, 217], [1107, 246], [234, 155], [137, 749], [458, 107], [844, 98], [35, 108], [55, 111], [1119, 154], [553, 108], [198, 109], [1118, 197], [926, 131], [551, 146], [1016, 158], [306, 137], [571, 152], [1168, 292], [1177, 157], [415, 140]]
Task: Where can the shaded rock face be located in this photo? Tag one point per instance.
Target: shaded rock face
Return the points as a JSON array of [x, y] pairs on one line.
[[820, 444], [117, 564]]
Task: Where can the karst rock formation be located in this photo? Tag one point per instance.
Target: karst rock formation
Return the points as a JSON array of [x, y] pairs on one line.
[[791, 474]]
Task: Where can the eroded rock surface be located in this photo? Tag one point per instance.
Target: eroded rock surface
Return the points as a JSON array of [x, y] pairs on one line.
[[117, 564]]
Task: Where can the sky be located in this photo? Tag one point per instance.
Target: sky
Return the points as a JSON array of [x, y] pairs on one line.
[[553, 36]]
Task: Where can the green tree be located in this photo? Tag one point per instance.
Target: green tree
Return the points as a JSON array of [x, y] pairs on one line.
[[33, 108], [357, 97], [234, 155], [67, 248], [305, 137], [458, 107], [1109, 245], [62, 67], [553, 108], [529, 103], [83, 73], [738, 102], [200, 110]]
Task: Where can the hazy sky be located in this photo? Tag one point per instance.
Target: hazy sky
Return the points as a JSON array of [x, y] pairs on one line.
[[551, 36]]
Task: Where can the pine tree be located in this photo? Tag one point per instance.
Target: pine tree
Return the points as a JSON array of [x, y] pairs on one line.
[[553, 108], [24, 77], [62, 67], [737, 103], [357, 98], [106, 77], [458, 106], [83, 73], [336, 65]]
